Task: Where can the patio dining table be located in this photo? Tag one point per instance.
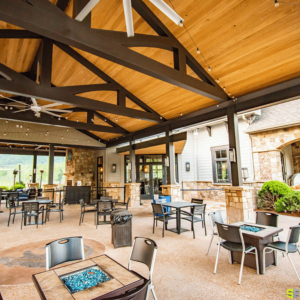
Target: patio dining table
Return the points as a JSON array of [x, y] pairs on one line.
[[259, 240], [41, 202], [178, 206], [50, 286]]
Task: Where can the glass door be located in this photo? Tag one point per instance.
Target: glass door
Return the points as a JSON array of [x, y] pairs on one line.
[[145, 180], [157, 179]]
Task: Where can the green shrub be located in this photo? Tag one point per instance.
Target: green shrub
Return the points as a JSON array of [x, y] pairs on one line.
[[288, 203], [17, 186], [4, 188], [270, 192]]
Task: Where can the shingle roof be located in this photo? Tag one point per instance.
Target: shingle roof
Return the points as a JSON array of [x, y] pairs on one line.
[[280, 115]]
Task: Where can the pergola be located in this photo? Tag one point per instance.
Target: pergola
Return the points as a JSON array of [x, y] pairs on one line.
[[121, 89]]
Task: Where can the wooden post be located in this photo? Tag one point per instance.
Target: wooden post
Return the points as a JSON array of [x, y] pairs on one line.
[[234, 142], [132, 161], [34, 168], [170, 154]]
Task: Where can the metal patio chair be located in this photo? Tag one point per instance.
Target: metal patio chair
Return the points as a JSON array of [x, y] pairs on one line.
[[144, 251], [159, 214], [117, 204], [215, 216], [233, 241], [104, 208], [85, 209], [63, 250], [32, 209], [290, 246], [56, 207], [12, 206]]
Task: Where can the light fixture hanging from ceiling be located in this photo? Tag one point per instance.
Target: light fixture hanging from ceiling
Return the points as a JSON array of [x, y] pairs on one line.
[[168, 11]]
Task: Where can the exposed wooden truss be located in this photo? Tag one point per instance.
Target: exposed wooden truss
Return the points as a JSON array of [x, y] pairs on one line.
[[32, 17]]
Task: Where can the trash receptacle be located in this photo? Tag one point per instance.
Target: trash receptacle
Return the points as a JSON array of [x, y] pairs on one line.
[[121, 235]]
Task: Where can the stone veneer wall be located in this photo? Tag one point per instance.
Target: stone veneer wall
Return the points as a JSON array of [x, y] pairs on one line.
[[112, 190], [239, 203], [132, 190], [82, 167], [266, 151], [296, 157], [172, 190]]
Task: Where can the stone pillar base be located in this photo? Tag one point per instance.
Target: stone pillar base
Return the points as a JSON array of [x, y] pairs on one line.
[[172, 190], [240, 201], [33, 184], [132, 190]]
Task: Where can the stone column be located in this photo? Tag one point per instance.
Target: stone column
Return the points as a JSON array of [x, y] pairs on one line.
[[112, 189], [240, 203], [132, 190], [172, 190]]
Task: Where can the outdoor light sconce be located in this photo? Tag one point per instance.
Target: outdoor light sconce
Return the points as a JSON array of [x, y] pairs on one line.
[[129, 166], [245, 173], [167, 164], [187, 166], [232, 157], [41, 181], [114, 168]]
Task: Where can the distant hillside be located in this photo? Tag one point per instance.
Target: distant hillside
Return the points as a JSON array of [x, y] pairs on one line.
[[13, 160]]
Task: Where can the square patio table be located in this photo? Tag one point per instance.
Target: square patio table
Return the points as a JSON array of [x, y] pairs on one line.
[[51, 287], [178, 205], [259, 240]]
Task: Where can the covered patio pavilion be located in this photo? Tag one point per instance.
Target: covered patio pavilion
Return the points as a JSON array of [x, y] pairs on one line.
[[120, 96]]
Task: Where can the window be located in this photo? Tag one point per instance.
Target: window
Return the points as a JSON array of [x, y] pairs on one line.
[[221, 165]]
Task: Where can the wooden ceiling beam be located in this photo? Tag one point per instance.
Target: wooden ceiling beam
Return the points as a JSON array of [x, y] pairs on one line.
[[32, 17], [86, 63], [18, 84], [78, 89], [18, 34], [93, 136], [28, 116]]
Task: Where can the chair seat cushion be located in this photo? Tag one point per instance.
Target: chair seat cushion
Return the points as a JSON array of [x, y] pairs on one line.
[[196, 219], [281, 246], [234, 246]]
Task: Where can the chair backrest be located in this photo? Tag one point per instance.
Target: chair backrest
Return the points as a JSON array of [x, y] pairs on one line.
[[198, 201], [11, 203], [30, 206], [144, 251], [81, 202], [138, 293], [63, 250], [157, 208], [128, 200], [106, 198], [42, 198], [216, 216], [293, 236], [104, 205], [230, 233], [199, 209], [13, 196], [267, 219]]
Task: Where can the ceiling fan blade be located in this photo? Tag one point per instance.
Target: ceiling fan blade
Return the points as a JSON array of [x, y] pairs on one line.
[[51, 104], [13, 100], [52, 114], [34, 102], [60, 110], [86, 10], [14, 112], [128, 17]]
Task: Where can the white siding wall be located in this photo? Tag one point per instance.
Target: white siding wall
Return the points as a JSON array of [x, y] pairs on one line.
[[219, 137]]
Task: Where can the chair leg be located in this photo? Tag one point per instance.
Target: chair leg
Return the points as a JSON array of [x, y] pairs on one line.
[[8, 219], [264, 261], [22, 220], [80, 219], [241, 270], [293, 266], [212, 237], [37, 221], [193, 226], [60, 216], [14, 219], [205, 227], [217, 259], [276, 258], [163, 233], [153, 293], [153, 224]]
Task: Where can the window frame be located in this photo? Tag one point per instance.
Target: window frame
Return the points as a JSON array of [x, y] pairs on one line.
[[214, 160]]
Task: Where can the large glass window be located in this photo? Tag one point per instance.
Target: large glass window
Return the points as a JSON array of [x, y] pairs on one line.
[[59, 169], [221, 165]]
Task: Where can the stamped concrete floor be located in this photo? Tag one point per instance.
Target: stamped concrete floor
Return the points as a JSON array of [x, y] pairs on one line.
[[182, 269]]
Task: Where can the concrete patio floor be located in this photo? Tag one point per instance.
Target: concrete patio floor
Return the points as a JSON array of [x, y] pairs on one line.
[[182, 269]]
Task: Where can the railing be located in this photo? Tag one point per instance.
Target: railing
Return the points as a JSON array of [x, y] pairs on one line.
[[104, 189]]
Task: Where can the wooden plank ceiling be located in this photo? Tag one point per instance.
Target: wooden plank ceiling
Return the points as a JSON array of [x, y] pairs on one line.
[[249, 44]]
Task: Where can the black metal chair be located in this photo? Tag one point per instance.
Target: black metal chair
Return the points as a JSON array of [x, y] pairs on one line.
[[198, 201], [139, 293], [32, 193], [159, 214], [12, 196], [215, 216], [85, 209], [233, 241], [32, 209], [104, 208], [117, 204], [197, 215], [106, 198], [144, 251], [55, 207], [290, 246], [12, 206], [63, 250], [40, 193], [267, 219]]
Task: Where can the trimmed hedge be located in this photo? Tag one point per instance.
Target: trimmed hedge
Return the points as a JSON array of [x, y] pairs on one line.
[[4, 188], [17, 186], [288, 203]]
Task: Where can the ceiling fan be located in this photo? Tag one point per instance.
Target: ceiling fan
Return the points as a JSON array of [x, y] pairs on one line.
[[37, 109], [160, 4]]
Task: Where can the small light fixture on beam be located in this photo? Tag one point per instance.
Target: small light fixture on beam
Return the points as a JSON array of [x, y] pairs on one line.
[[168, 11], [245, 173]]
